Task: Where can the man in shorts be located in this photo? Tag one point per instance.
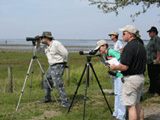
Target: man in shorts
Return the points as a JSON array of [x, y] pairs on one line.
[[133, 66]]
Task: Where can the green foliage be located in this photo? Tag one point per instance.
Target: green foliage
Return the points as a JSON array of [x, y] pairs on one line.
[[96, 107]]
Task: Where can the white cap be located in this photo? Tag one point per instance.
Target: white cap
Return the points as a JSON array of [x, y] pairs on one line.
[[114, 33], [100, 43], [129, 28]]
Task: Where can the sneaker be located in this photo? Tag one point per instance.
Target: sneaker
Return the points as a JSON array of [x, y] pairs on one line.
[[45, 101], [63, 107]]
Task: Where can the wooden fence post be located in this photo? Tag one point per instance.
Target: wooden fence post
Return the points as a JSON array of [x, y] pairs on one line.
[[41, 79], [10, 79], [67, 75]]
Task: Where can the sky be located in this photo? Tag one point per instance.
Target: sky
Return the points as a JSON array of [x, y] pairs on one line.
[[68, 19]]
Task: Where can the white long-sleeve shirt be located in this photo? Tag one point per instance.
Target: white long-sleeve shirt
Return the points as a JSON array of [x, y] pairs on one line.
[[55, 52]]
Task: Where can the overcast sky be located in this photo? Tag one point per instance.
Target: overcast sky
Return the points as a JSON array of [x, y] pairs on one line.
[[68, 19]]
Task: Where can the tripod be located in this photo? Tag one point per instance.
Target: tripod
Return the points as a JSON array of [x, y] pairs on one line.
[[87, 65], [32, 64]]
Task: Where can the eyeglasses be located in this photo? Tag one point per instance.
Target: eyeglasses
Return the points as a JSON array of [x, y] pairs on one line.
[[124, 33]]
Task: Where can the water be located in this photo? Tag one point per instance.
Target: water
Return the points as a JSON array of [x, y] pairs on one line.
[[65, 42], [73, 45]]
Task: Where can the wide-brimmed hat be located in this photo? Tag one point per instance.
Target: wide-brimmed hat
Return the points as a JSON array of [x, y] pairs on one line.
[[114, 33], [100, 43], [137, 34], [153, 29], [129, 28], [47, 35]]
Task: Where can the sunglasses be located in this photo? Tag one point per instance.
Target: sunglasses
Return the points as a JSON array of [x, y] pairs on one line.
[[124, 33]]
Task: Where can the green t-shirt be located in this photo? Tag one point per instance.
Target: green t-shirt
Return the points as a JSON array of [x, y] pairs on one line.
[[117, 55], [114, 54]]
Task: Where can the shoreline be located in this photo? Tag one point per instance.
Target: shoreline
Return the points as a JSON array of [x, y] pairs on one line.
[[29, 48]]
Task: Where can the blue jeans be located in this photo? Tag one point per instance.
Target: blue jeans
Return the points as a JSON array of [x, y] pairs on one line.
[[119, 109], [112, 82]]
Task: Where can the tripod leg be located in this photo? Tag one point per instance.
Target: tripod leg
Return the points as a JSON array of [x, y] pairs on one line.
[[77, 88], [24, 84], [100, 87], [31, 80], [87, 85], [47, 80]]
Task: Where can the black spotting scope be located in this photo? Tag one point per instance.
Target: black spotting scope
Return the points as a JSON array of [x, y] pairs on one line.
[[90, 52], [33, 39]]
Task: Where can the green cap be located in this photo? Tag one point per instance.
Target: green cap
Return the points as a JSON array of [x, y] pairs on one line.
[[47, 35]]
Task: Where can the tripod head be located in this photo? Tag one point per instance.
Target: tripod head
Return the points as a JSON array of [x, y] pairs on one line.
[[89, 57]]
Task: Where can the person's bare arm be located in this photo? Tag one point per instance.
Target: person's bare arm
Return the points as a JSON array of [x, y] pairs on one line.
[[158, 57], [121, 50], [119, 67]]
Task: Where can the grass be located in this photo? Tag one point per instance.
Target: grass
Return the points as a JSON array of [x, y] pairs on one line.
[[96, 107]]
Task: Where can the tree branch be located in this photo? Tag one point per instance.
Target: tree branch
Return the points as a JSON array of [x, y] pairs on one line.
[[108, 6]]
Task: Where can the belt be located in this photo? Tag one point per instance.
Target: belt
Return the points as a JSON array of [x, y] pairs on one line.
[[133, 74], [62, 63]]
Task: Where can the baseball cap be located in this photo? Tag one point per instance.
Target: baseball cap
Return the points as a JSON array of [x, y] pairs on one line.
[[153, 29], [114, 33], [100, 43], [137, 34], [129, 28]]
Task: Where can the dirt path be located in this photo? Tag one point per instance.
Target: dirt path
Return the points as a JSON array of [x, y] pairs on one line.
[[152, 112], [47, 115]]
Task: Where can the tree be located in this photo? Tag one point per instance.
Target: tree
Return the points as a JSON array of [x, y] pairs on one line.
[[113, 5]]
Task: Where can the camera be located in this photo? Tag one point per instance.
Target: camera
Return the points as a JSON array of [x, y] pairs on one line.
[[113, 73], [33, 39], [90, 52]]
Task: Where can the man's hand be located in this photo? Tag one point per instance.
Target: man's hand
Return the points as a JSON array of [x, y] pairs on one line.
[[113, 67], [106, 61], [105, 66], [156, 61], [38, 43], [158, 57]]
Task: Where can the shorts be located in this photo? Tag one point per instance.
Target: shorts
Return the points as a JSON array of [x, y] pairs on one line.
[[131, 92]]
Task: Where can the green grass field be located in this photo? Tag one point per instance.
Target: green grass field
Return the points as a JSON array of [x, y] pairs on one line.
[[96, 107]]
